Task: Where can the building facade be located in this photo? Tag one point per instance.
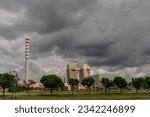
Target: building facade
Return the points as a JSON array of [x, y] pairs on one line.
[[75, 71], [84, 71]]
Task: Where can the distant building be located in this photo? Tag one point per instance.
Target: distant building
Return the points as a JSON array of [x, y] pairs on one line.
[[72, 71], [98, 78], [75, 71], [36, 85], [84, 71]]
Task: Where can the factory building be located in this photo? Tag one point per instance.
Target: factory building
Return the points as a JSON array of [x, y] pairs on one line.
[[84, 71], [75, 71]]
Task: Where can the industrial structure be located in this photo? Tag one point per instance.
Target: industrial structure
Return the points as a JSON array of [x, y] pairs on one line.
[[27, 58], [75, 71]]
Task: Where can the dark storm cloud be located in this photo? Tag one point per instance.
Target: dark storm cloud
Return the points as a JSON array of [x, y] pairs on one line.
[[44, 16], [102, 32], [117, 36], [55, 15], [9, 5]]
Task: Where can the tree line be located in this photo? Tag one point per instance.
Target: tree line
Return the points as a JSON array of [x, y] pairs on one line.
[[53, 82], [121, 83], [118, 82]]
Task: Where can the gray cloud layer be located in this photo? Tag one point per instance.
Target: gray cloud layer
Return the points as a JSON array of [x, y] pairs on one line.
[[114, 34]]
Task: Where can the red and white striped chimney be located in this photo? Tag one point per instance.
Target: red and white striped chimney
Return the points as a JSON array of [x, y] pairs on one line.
[[27, 57], [27, 48]]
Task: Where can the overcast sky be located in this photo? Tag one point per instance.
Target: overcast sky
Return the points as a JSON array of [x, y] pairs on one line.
[[112, 36]]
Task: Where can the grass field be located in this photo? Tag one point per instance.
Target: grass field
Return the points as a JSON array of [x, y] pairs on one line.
[[77, 96]]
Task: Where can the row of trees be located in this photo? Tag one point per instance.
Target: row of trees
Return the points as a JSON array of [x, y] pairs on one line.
[[137, 83], [9, 81], [141, 83], [87, 82], [118, 81], [49, 81], [52, 82]]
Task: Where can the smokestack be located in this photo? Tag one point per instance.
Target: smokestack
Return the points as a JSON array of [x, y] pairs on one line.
[[27, 58]]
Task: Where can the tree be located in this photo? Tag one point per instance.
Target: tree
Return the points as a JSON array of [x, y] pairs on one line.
[[18, 88], [52, 81], [129, 86], [120, 83], [106, 83], [146, 83], [137, 83], [14, 86], [89, 81], [28, 85], [73, 83], [5, 81]]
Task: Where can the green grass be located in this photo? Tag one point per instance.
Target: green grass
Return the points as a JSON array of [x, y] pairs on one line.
[[82, 95]]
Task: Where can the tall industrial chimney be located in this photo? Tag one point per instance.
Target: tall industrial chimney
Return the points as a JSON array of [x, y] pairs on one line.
[[27, 58]]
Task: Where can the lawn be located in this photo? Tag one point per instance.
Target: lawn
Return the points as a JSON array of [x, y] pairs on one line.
[[77, 96]]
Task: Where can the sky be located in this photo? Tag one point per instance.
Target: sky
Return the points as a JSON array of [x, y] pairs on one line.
[[112, 36]]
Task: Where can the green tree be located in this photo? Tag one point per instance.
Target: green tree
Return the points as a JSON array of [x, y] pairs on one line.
[[18, 88], [14, 86], [5, 81], [52, 82], [120, 83], [73, 83], [89, 81], [146, 83], [137, 83], [106, 83], [129, 86], [28, 85]]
